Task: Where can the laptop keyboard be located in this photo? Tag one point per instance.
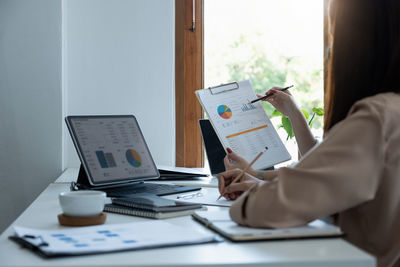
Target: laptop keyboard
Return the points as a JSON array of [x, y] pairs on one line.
[[157, 189]]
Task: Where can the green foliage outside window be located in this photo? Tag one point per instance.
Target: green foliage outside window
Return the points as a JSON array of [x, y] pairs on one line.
[[266, 71], [287, 125]]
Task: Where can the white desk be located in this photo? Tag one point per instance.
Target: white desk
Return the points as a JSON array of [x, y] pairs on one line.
[[42, 214]]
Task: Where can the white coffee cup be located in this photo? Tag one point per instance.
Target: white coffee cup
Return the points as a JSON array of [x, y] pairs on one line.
[[83, 203]]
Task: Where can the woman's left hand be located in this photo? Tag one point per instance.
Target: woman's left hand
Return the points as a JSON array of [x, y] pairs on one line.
[[234, 161]]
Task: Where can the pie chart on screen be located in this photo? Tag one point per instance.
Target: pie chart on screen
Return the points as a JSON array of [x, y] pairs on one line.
[[133, 158], [224, 112]]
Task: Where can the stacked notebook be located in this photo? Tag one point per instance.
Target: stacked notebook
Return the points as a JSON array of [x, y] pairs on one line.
[[151, 206]]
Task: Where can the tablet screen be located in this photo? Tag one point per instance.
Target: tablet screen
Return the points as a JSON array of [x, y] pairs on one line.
[[111, 148]]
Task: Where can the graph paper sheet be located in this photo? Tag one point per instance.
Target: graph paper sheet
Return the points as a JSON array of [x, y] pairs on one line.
[[243, 127]]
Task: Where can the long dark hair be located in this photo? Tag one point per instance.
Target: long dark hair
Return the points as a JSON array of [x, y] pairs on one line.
[[365, 54]]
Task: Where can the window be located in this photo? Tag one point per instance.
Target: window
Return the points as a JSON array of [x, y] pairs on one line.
[[269, 42]]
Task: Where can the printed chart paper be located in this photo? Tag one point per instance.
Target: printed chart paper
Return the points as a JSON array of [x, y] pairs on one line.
[[243, 127], [113, 237]]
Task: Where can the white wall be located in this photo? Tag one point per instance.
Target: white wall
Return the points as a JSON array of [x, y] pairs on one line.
[[30, 102], [118, 58], [108, 56]]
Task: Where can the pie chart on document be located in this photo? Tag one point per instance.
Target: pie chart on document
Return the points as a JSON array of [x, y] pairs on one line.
[[224, 112]]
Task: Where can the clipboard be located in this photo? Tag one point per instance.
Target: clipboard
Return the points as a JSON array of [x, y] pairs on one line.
[[108, 238], [223, 88], [242, 126]]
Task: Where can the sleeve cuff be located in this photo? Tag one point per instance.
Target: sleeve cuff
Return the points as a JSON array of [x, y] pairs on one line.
[[239, 208]]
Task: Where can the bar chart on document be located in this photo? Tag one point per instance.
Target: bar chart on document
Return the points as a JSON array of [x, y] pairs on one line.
[[242, 126]]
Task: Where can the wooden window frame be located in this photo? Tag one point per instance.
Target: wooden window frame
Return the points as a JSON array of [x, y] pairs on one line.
[[188, 78]]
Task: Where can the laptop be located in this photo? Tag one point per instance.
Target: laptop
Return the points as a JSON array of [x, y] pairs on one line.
[[115, 157], [214, 150]]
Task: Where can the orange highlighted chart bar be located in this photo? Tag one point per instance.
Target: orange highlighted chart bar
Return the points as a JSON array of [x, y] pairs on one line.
[[247, 131]]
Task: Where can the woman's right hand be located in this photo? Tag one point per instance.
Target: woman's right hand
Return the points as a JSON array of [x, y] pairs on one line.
[[283, 101], [233, 191]]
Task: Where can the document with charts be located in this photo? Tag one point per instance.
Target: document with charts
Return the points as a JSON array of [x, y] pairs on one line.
[[243, 127]]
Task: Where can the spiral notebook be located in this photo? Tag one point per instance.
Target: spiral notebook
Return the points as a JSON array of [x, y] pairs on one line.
[[151, 206], [154, 203], [113, 208]]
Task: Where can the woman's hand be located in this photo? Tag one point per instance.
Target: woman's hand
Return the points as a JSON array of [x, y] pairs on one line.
[[233, 191], [283, 101], [234, 161]]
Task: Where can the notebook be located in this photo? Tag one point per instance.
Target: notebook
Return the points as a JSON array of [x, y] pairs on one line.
[[115, 157], [125, 210], [220, 222], [154, 203]]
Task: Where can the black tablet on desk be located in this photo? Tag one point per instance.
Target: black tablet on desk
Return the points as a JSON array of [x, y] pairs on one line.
[[114, 153]]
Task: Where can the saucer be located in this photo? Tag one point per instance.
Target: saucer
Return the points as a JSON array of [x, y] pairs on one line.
[[81, 221]]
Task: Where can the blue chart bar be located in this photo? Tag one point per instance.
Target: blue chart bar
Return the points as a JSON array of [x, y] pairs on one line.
[[102, 159], [110, 160], [248, 107]]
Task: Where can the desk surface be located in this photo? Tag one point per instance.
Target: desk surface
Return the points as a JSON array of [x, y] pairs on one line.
[[42, 214]]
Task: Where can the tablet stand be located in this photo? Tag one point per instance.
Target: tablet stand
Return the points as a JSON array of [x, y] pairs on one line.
[[83, 180]]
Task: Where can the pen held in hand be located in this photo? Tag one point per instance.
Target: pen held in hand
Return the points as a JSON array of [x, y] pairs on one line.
[[237, 178], [268, 95]]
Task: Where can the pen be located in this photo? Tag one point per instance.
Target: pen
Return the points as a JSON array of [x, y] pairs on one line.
[[268, 95], [242, 172]]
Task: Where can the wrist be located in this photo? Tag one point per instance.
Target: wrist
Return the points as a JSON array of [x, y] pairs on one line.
[[295, 112], [252, 172]]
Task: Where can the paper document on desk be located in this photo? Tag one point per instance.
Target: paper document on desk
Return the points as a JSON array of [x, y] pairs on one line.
[[206, 196], [109, 237], [206, 182], [221, 223]]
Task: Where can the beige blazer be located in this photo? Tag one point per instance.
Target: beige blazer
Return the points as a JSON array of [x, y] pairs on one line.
[[355, 172]]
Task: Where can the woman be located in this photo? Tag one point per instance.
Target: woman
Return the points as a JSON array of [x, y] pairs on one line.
[[355, 171]]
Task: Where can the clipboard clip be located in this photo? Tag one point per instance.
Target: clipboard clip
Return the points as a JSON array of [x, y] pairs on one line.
[[223, 88], [41, 243]]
